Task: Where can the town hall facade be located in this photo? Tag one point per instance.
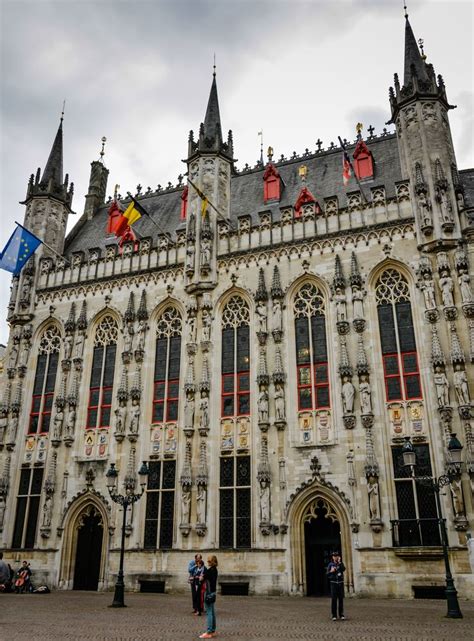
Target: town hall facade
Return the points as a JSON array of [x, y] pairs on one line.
[[265, 351]]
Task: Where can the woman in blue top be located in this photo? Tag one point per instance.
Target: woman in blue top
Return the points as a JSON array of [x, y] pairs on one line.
[[210, 578]]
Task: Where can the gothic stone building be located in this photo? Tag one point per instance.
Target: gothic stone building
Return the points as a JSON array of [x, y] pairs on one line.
[[266, 358]]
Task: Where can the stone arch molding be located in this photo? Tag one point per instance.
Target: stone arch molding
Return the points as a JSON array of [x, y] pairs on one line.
[[301, 509], [86, 502]]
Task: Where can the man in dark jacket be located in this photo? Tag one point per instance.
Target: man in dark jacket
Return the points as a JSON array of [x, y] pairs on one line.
[[335, 573]]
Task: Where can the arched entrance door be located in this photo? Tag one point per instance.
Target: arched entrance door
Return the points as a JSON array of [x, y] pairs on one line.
[[322, 536], [90, 533]]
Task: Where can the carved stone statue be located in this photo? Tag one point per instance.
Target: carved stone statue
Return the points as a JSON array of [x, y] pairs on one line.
[[261, 311], [80, 340], [348, 394], [70, 423], [189, 414], [135, 416], [277, 315], [280, 403], [447, 287], [204, 408], [47, 511], [456, 493], [13, 357], [424, 207], [68, 343], [201, 504], [358, 303], [205, 252], [340, 300], [128, 339], [185, 505], [461, 386], [26, 289], [465, 287], [206, 325], [263, 406], [373, 492], [442, 387], [428, 291], [3, 427], [191, 329], [445, 207], [264, 501], [365, 395], [58, 424], [141, 333], [190, 253], [12, 430], [120, 418]]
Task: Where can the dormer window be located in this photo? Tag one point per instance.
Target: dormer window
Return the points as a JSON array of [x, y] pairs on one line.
[[114, 215], [363, 161], [271, 183], [305, 197], [184, 203]]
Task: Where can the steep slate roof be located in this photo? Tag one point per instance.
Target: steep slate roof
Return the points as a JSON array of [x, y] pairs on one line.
[[54, 166], [324, 179]]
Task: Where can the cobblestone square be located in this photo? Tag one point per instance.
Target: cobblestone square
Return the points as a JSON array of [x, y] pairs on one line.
[[84, 616]]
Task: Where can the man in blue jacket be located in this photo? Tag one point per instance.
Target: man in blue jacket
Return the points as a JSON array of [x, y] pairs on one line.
[[191, 569], [335, 573]]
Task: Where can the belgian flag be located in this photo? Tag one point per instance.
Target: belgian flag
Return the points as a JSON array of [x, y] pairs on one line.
[[133, 213]]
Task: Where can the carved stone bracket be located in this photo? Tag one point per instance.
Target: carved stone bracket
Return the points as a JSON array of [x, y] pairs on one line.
[[450, 313], [359, 325], [468, 310], [349, 421], [343, 327], [432, 315], [376, 525]]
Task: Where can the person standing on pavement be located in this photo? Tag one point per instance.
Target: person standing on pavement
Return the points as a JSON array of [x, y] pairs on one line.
[[335, 573], [5, 575], [199, 587], [210, 578], [191, 568]]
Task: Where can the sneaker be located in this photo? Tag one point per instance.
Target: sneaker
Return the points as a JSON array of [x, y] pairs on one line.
[[343, 618], [334, 619], [206, 635]]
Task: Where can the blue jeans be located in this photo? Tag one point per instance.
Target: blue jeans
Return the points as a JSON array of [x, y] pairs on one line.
[[211, 617]]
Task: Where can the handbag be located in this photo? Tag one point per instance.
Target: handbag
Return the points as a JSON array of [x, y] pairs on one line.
[[210, 598]]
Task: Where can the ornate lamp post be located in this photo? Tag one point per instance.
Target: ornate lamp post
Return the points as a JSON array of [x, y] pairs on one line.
[[454, 467], [124, 500]]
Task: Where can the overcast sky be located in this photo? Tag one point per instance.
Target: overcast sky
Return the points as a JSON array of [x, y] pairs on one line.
[[140, 72]]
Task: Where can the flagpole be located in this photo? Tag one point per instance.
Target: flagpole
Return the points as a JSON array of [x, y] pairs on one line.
[[160, 229], [203, 196], [353, 171], [43, 243]]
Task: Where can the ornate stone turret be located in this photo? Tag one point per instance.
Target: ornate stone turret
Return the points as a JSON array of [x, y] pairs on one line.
[[95, 196]]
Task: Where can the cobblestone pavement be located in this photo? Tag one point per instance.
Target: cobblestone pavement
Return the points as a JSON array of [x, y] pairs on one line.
[[84, 616]]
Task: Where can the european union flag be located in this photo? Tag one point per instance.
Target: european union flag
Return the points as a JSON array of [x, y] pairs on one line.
[[19, 248]]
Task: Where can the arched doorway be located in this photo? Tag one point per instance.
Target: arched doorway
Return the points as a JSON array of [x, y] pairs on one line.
[[90, 534], [322, 536]]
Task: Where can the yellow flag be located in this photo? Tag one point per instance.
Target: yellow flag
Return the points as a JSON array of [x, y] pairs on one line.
[[132, 214]]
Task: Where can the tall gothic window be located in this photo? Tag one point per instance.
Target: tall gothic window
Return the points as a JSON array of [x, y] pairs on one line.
[[45, 379], [235, 502], [311, 348], [27, 507], [417, 522], [102, 374], [235, 367], [167, 366], [159, 514], [400, 360]]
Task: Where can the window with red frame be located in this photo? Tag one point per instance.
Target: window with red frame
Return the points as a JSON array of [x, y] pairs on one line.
[[363, 161], [235, 360], [167, 366], [101, 386], [397, 336], [43, 392]]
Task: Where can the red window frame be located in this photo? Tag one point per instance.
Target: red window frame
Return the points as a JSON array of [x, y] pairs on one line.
[[386, 377], [165, 399], [100, 407], [406, 375], [313, 385], [402, 375], [236, 394], [240, 393]]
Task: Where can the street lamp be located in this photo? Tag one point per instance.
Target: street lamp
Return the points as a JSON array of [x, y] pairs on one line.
[[124, 500], [454, 467]]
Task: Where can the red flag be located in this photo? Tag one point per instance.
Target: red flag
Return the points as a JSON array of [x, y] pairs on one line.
[[346, 168]]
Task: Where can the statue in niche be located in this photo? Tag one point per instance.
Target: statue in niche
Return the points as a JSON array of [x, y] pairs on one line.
[[263, 406], [191, 329], [189, 414], [373, 492], [261, 311], [447, 287], [205, 252], [135, 416], [442, 387], [190, 253], [120, 417], [13, 357], [192, 222], [185, 505], [279, 403], [340, 300], [201, 504], [204, 408], [365, 395], [141, 333], [58, 423], [128, 338], [206, 325], [461, 385], [465, 286], [25, 350], [427, 287], [445, 207], [277, 315], [3, 427], [68, 343], [12, 429], [70, 423], [264, 501], [47, 510], [80, 340], [26, 289], [456, 493], [358, 303], [424, 207], [348, 394]]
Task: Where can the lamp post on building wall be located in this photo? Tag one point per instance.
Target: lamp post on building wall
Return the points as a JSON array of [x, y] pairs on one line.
[[124, 500], [454, 467]]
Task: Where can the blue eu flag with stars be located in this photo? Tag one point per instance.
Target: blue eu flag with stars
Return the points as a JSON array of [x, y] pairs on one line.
[[19, 248]]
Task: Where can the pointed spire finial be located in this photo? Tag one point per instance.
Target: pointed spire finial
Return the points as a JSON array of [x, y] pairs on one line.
[[406, 11], [62, 112], [102, 152], [214, 66]]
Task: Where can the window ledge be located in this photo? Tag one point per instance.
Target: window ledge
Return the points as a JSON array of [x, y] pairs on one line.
[[421, 553]]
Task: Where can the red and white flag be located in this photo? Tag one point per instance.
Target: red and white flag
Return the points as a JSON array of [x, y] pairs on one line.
[[346, 168]]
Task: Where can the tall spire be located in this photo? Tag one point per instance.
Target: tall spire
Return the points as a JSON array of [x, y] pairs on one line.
[[413, 58], [54, 166], [210, 137]]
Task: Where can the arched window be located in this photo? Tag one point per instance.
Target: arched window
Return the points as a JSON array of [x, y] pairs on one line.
[[167, 366], [235, 358], [400, 360], [45, 379], [311, 348], [102, 374]]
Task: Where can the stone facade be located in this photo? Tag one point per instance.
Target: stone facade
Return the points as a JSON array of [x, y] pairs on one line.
[[266, 359]]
